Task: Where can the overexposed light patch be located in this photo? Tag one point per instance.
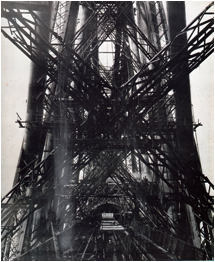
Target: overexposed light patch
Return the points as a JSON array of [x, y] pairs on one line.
[[106, 53]]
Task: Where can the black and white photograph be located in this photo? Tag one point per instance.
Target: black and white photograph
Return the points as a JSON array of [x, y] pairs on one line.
[[107, 130]]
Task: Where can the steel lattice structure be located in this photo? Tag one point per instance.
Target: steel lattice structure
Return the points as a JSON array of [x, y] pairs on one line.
[[109, 168]]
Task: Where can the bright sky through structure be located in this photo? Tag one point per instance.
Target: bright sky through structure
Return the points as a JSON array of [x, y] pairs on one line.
[[15, 74]]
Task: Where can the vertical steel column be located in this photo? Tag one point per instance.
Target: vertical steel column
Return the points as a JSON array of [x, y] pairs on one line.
[[35, 98], [181, 87], [177, 21]]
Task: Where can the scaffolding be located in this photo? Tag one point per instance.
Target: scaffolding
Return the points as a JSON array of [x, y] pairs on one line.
[[108, 131]]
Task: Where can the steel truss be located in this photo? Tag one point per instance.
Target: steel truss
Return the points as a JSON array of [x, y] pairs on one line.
[[103, 127]]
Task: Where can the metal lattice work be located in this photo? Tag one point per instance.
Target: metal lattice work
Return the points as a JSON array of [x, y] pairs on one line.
[[104, 173]]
